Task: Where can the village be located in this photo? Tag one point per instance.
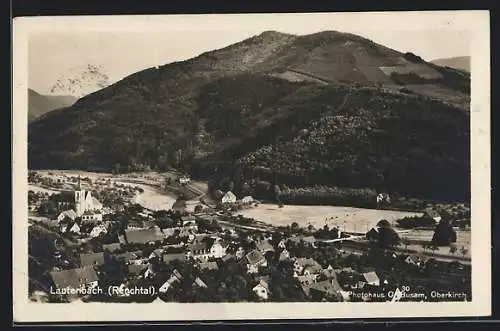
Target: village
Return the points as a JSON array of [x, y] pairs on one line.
[[100, 245]]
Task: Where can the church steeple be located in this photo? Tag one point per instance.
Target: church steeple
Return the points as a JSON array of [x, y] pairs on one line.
[[79, 183]]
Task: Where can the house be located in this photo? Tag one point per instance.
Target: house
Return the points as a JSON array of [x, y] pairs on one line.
[[198, 283], [143, 236], [91, 216], [228, 258], [327, 289], [111, 248], [306, 266], [229, 197], [306, 240], [70, 227], [217, 250], [373, 234], [282, 244], [430, 213], [67, 214], [329, 273], [97, 230], [383, 198], [240, 253], [91, 259], [188, 220], [170, 257], [255, 259], [175, 277], [137, 269], [156, 254], [212, 265], [416, 260], [206, 247], [129, 257], [284, 255], [262, 288], [265, 246], [306, 280], [184, 180], [85, 277], [371, 278], [247, 200]]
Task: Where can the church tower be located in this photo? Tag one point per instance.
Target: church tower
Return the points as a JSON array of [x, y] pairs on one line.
[[79, 199]]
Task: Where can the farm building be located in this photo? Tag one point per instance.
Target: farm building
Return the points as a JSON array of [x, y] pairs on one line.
[[229, 197]]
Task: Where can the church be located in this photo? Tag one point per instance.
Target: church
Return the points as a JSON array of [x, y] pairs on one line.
[[82, 203]]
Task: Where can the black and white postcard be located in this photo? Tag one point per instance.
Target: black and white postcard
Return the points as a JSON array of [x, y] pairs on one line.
[[251, 166]]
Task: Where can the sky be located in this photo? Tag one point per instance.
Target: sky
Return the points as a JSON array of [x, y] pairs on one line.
[[62, 48]]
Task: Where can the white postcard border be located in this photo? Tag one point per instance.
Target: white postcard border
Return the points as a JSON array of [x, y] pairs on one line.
[[26, 311]]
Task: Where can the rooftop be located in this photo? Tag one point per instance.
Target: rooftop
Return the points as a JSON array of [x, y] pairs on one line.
[[74, 278]]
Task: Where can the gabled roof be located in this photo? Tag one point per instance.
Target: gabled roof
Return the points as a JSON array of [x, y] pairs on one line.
[[309, 280], [229, 195], [142, 236], [371, 277], [111, 247], [432, 214], [329, 273], [169, 257], [130, 255], [71, 214], [311, 264], [264, 281], [228, 257], [87, 259], [137, 268], [74, 278], [199, 282], [211, 265], [331, 287], [255, 257], [204, 244], [265, 246]]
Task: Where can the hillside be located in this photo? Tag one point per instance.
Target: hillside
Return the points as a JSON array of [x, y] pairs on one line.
[[39, 104], [315, 107], [459, 62]]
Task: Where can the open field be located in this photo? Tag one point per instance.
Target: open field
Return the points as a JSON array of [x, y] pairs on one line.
[[463, 240], [347, 219], [154, 200]]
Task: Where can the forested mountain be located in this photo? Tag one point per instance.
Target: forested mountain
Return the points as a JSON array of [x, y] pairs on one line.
[[328, 108], [39, 104]]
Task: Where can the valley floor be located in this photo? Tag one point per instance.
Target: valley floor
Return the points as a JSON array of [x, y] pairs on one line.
[[347, 219]]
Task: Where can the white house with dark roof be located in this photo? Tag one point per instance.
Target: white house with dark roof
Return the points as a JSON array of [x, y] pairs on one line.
[[371, 278], [262, 288], [229, 197], [67, 214]]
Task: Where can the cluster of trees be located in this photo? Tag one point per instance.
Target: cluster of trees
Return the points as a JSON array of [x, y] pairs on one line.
[[369, 143], [306, 134], [444, 234], [410, 222]]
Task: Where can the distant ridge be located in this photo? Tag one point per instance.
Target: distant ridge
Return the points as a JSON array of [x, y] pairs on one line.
[[459, 62], [39, 104]]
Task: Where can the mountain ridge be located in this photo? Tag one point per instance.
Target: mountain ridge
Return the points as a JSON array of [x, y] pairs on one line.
[[39, 104], [456, 62], [198, 114]]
